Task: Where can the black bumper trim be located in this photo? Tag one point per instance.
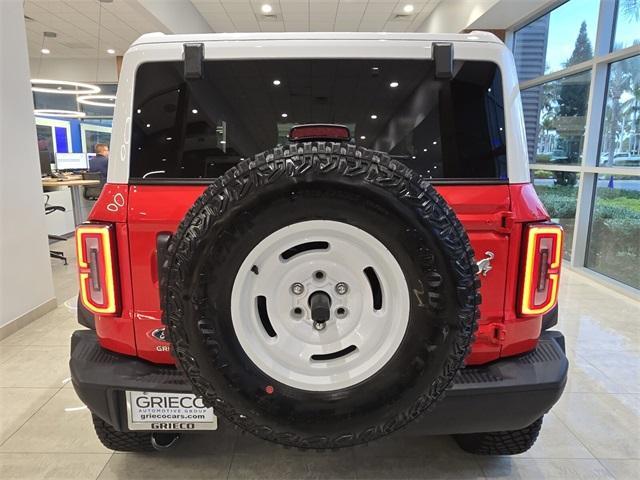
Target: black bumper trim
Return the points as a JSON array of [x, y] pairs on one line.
[[85, 317], [508, 394]]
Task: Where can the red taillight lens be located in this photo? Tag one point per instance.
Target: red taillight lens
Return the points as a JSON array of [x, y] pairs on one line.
[[96, 266], [542, 260], [319, 132]]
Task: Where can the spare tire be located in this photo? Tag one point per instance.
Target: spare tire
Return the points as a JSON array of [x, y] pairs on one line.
[[320, 295]]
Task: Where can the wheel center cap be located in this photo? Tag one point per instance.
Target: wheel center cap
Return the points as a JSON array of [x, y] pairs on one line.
[[320, 303]]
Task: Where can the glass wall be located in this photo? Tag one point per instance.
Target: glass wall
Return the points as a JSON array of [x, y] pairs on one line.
[[583, 138], [614, 240], [558, 191], [557, 40], [627, 24], [555, 124], [620, 144], [57, 135]]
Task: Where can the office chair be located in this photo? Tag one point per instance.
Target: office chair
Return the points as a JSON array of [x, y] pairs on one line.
[[48, 209], [92, 192]]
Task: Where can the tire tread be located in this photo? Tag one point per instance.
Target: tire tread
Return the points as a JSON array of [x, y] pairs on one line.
[[121, 441], [508, 442], [294, 160]]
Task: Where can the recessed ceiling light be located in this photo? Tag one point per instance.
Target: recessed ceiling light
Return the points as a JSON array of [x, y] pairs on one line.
[[362, 137], [168, 139], [424, 149], [194, 111], [111, 51], [45, 51], [413, 156], [284, 115], [276, 82], [394, 84], [435, 143], [375, 69], [223, 142], [148, 125], [374, 116], [408, 8], [138, 111], [266, 8]]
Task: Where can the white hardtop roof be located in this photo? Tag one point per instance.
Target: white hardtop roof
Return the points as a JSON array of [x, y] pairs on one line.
[[157, 37]]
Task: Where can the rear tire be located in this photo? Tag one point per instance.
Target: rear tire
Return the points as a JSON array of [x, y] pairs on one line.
[[509, 442], [130, 441]]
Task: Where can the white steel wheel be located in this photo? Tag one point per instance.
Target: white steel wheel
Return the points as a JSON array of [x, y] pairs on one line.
[[337, 269]]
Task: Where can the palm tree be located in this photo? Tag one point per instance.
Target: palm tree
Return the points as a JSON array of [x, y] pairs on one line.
[[630, 9], [623, 76]]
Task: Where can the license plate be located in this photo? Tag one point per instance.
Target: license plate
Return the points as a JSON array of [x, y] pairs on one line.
[[168, 411]]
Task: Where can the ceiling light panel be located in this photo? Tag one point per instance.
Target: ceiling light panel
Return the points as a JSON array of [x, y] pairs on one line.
[[63, 87], [49, 112]]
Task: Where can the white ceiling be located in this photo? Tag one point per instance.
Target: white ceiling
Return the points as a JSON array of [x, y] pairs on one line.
[[314, 15], [76, 21], [76, 24]]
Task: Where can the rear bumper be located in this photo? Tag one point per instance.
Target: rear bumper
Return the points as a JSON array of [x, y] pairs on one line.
[[505, 395]]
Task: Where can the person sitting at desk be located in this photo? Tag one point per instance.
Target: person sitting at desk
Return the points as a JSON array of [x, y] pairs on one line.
[[100, 162]]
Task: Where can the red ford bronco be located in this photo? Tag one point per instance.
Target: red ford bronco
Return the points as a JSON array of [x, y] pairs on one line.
[[319, 238]]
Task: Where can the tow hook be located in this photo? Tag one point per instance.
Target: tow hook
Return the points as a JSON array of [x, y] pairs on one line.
[[484, 265], [163, 441]]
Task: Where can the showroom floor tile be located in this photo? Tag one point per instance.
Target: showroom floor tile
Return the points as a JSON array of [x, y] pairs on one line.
[[593, 432]]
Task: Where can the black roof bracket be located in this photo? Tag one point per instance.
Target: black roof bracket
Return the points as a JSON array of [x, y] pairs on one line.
[[442, 54], [193, 61]]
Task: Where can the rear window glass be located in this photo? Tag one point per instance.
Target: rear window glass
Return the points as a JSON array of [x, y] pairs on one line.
[[197, 129]]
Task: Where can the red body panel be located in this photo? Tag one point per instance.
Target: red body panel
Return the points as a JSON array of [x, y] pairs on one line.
[[521, 333], [492, 215], [117, 333], [153, 210]]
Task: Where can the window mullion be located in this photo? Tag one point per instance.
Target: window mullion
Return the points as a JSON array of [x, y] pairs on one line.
[[604, 32]]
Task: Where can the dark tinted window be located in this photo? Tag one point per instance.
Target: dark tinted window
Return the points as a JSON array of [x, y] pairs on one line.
[[199, 128]]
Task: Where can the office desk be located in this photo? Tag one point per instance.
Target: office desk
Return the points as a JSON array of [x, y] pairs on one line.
[[73, 182]]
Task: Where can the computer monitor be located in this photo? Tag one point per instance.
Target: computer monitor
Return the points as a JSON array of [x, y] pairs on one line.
[[45, 163], [71, 161]]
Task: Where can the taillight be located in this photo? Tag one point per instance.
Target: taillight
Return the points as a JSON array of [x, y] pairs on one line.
[[541, 275], [309, 132], [96, 266]]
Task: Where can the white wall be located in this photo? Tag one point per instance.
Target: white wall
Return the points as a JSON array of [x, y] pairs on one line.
[[25, 269], [453, 16], [506, 13], [77, 69]]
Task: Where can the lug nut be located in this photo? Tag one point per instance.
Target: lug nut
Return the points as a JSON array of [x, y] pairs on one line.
[[297, 288], [341, 288], [319, 325]]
